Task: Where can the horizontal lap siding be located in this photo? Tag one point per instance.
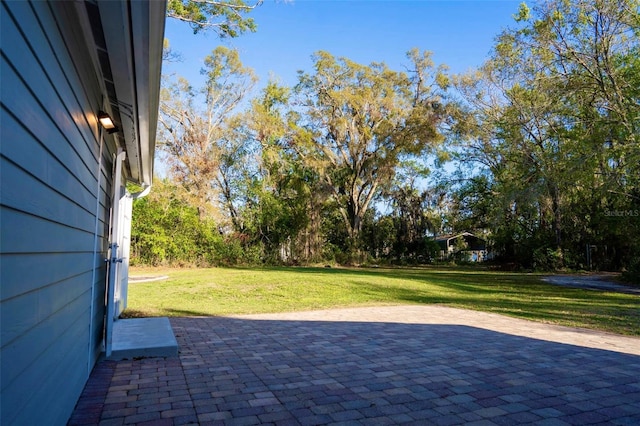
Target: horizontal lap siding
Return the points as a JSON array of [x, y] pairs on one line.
[[52, 189]]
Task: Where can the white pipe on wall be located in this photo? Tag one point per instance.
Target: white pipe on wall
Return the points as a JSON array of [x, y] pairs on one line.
[[113, 262]]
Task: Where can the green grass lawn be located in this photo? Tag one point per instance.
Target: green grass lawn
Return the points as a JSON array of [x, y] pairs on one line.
[[228, 291]]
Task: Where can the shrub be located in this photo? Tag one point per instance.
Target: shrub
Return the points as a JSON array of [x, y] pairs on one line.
[[548, 259]]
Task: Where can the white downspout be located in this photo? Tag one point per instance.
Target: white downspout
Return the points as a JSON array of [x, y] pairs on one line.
[[114, 258], [95, 253], [143, 193]]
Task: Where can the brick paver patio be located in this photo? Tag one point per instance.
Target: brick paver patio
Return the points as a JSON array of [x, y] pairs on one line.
[[378, 366]]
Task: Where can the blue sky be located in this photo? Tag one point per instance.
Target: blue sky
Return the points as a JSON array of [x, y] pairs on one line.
[[459, 33]]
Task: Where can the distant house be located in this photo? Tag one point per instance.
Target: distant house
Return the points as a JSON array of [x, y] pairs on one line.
[[64, 208], [466, 245]]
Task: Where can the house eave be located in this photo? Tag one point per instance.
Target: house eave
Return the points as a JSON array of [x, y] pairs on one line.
[[133, 33]]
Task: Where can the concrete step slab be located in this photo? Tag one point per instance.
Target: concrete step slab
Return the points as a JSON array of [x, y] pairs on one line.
[[143, 338]]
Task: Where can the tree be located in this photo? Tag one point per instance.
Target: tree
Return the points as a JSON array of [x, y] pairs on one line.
[[554, 118], [225, 17], [361, 121], [198, 132], [379, 235], [287, 197], [412, 211], [166, 230]]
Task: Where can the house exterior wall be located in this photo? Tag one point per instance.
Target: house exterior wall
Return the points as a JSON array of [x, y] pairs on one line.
[[55, 191], [474, 250]]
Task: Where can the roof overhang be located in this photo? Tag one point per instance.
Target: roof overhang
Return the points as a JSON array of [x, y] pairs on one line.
[[132, 48], [447, 238]]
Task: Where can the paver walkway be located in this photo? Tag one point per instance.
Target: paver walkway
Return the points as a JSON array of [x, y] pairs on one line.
[[592, 282], [381, 365]]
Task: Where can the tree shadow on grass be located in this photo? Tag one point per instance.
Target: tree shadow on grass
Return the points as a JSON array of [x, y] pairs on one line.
[[514, 294], [559, 307], [170, 312]]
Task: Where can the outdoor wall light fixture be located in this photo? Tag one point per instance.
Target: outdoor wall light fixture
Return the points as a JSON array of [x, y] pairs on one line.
[[107, 122]]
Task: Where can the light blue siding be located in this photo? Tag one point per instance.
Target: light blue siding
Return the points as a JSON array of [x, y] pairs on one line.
[[58, 266], [24, 148], [25, 233], [53, 360], [55, 191], [34, 308], [50, 203], [45, 118]]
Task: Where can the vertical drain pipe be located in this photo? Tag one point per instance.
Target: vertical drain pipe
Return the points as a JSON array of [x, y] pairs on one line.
[[95, 252], [114, 259]]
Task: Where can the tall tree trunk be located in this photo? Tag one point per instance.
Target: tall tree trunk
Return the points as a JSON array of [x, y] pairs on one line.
[[557, 217]]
